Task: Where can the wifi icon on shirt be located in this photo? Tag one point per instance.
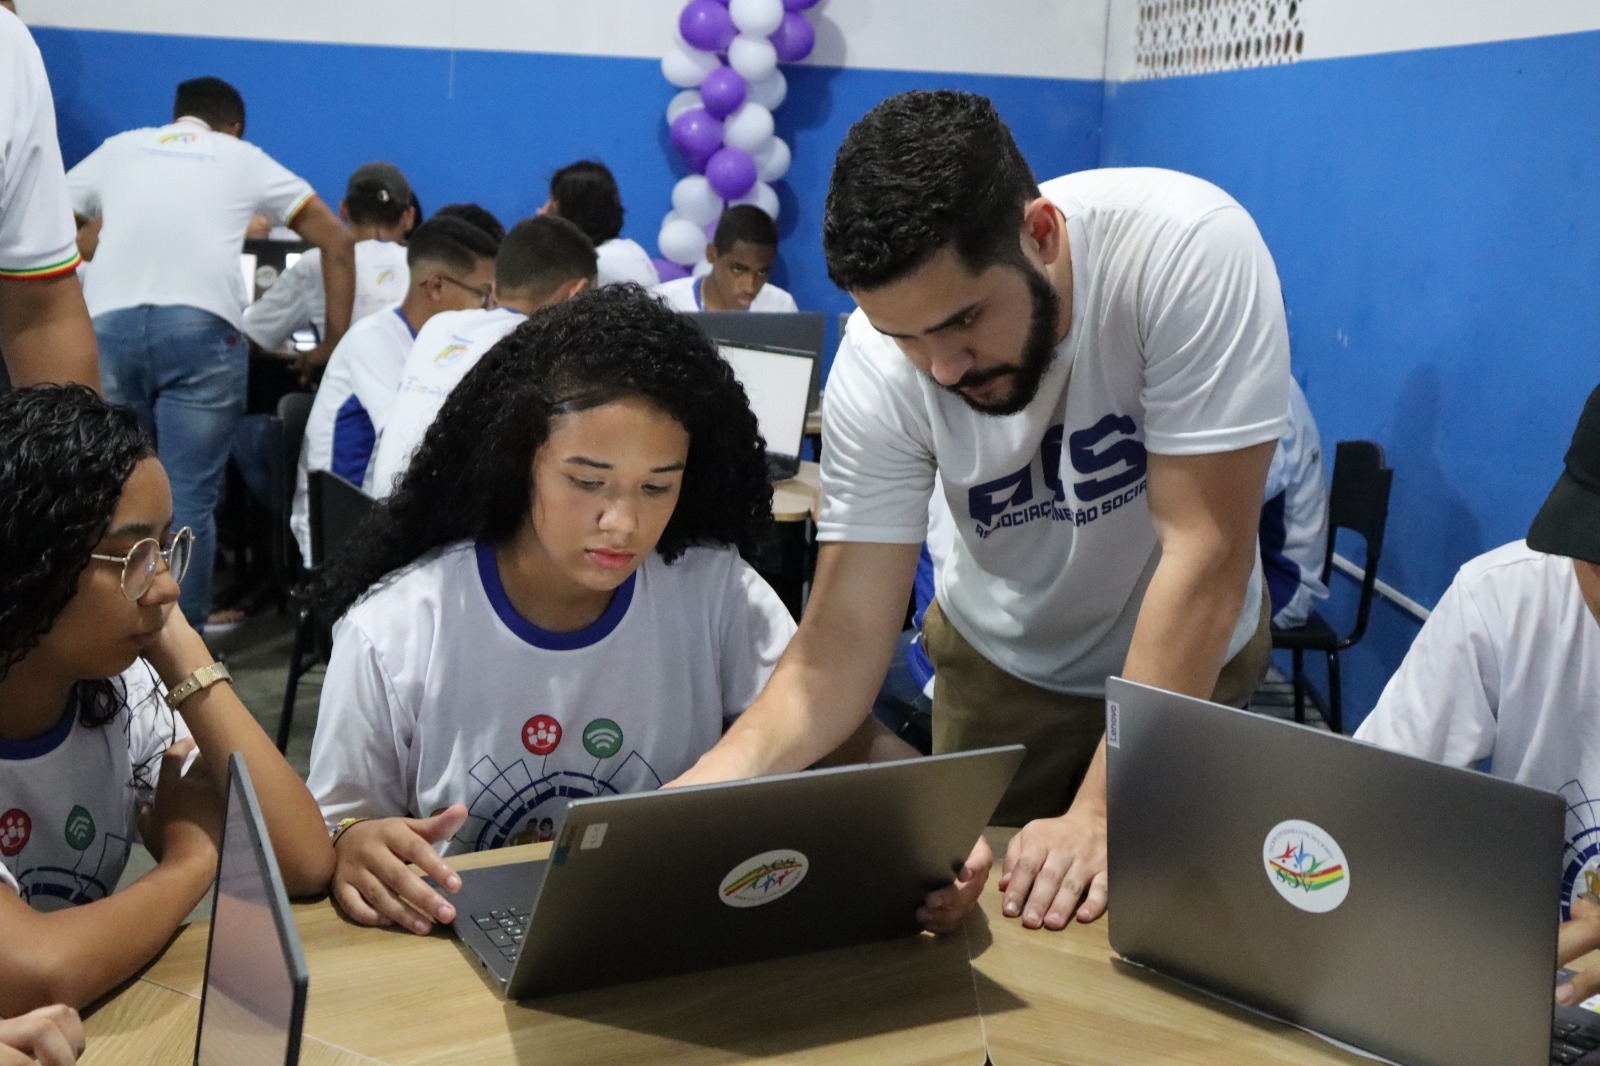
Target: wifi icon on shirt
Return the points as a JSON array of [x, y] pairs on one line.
[[602, 738]]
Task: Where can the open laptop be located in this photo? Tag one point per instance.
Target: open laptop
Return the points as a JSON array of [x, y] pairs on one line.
[[684, 879], [778, 382], [254, 1000], [1405, 908]]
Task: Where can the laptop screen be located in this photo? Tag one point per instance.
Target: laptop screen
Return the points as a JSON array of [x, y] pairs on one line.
[[247, 267], [778, 382], [254, 999]]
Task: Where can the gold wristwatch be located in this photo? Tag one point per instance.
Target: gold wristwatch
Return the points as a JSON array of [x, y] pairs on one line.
[[204, 677]]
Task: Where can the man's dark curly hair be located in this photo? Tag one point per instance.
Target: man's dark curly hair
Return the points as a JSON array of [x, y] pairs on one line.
[[921, 171], [65, 455], [472, 475], [586, 194]]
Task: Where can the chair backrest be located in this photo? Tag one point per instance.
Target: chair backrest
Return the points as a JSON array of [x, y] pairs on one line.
[[334, 508], [293, 411], [288, 430], [1359, 501]]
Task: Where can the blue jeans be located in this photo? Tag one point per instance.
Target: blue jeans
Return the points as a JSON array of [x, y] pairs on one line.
[[902, 707], [185, 373]]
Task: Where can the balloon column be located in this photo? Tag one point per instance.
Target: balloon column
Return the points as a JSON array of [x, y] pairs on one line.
[[725, 60]]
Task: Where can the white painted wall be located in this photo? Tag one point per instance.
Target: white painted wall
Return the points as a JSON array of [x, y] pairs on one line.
[[1033, 38]]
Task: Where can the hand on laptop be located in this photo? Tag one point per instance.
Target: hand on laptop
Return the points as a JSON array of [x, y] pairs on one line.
[[1052, 865], [372, 882], [49, 1036], [1578, 937], [944, 910]]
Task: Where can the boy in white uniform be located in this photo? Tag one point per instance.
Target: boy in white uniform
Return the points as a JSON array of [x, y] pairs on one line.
[[166, 295], [1507, 667], [44, 327], [741, 256], [586, 194], [451, 266], [1294, 518], [543, 260], [1097, 371]]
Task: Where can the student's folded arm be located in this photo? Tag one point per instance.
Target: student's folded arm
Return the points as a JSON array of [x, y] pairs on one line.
[[322, 227]]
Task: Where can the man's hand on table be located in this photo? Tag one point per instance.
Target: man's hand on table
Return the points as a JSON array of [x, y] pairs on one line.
[[944, 910], [372, 883], [1055, 869], [49, 1036]]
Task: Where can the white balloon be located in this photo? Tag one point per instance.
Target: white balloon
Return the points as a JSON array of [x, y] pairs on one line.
[[772, 160], [693, 198], [748, 129], [687, 67], [701, 269], [682, 241], [670, 217], [753, 58], [769, 91], [763, 196], [758, 18], [687, 100]]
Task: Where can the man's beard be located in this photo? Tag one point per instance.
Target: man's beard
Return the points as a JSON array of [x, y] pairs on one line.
[[1038, 353]]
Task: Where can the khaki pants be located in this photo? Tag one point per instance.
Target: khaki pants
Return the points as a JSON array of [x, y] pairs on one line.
[[978, 705]]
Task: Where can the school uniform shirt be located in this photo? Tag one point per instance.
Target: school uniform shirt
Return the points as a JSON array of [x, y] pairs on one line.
[[68, 799], [351, 408], [449, 345], [439, 692], [683, 294], [620, 259], [1506, 669], [1178, 345], [176, 200], [1294, 518], [38, 238], [297, 300]]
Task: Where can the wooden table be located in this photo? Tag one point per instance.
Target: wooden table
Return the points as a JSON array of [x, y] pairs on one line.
[[796, 500]]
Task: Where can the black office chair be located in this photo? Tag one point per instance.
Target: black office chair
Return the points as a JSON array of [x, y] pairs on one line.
[[1358, 501], [335, 509], [294, 410]]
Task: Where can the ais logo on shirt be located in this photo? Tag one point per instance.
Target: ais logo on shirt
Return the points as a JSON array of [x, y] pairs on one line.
[[1107, 462], [178, 138]]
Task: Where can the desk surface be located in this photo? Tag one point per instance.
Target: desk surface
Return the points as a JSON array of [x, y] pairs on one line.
[[794, 500]]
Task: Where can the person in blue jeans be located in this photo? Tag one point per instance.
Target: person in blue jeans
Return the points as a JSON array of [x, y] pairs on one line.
[[166, 294]]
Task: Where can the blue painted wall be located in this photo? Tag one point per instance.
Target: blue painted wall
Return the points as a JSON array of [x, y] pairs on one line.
[[491, 126], [1435, 222]]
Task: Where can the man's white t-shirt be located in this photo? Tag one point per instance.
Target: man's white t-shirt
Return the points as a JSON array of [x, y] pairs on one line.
[[439, 692], [1507, 668], [68, 799], [176, 202], [683, 294], [1178, 345], [297, 300], [619, 260], [351, 409], [37, 236], [1294, 518], [449, 345]]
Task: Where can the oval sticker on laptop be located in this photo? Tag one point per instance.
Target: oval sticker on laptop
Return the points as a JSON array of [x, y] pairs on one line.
[[1307, 866], [764, 878]]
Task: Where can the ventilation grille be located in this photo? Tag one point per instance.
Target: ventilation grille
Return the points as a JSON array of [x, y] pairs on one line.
[[1200, 36]]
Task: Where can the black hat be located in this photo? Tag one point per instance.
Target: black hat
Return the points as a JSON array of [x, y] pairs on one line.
[[382, 181], [1569, 522]]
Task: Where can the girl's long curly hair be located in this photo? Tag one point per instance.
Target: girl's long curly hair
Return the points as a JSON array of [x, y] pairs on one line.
[[65, 455], [472, 475]]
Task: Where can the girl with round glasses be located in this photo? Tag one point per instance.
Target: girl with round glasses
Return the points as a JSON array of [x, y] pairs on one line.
[[115, 722]]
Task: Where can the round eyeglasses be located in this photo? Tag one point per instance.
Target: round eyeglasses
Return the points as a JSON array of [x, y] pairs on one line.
[[139, 565]]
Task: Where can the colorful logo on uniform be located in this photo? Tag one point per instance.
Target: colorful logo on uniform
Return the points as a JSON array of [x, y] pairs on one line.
[[602, 738], [450, 354], [1307, 866], [384, 275], [541, 734], [80, 828], [15, 829], [763, 878], [178, 138]]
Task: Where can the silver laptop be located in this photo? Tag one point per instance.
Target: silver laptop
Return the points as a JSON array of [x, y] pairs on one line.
[[685, 879], [1406, 908], [778, 383], [254, 1001]]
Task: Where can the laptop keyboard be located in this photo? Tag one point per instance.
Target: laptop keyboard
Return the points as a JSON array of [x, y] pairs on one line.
[[505, 929], [1571, 1040]]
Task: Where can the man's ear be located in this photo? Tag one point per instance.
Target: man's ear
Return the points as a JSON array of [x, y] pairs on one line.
[[1043, 230], [344, 212], [570, 288]]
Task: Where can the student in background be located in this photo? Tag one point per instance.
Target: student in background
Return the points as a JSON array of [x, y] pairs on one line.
[[741, 255], [377, 211], [166, 295], [479, 216], [105, 690], [543, 261], [586, 195], [45, 331], [1294, 518], [451, 265], [553, 595]]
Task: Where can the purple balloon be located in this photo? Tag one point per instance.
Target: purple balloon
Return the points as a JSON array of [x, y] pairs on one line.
[[794, 38], [667, 270], [798, 5], [706, 24], [731, 173], [696, 135], [722, 92]]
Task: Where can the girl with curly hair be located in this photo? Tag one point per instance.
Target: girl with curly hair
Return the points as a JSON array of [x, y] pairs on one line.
[[550, 605], [105, 693]]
